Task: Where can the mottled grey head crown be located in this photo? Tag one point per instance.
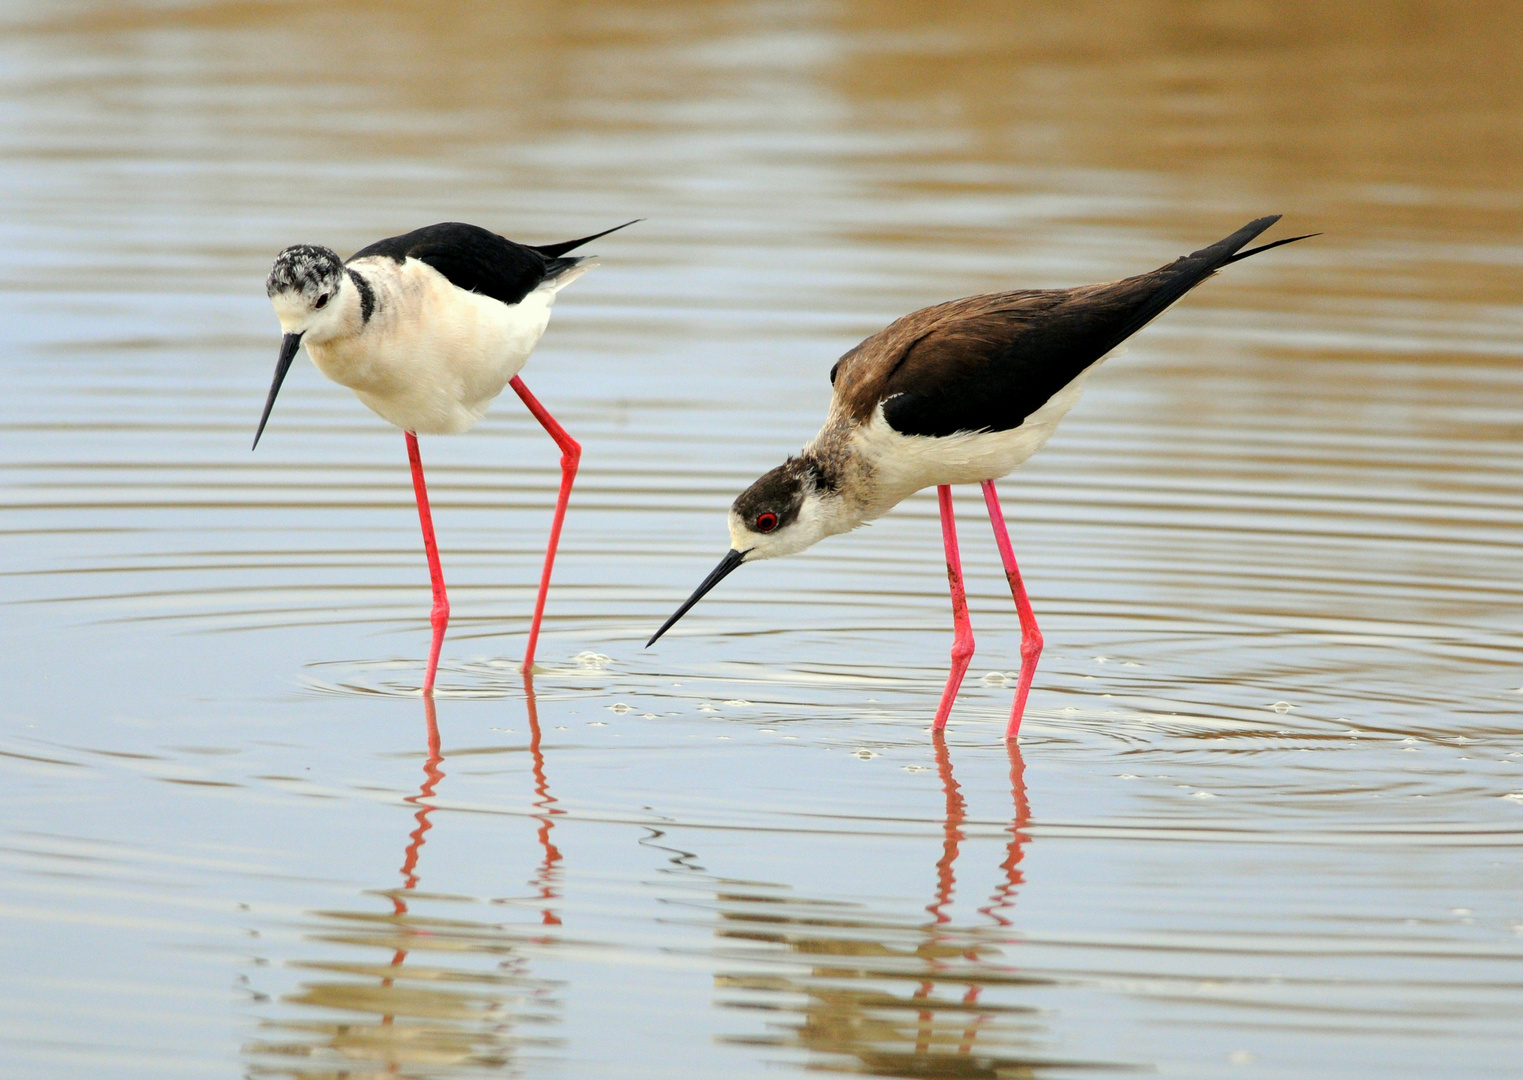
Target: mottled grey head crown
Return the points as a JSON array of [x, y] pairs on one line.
[[307, 269], [781, 491]]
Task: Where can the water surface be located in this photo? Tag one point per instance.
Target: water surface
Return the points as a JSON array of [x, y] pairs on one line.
[[1285, 522]]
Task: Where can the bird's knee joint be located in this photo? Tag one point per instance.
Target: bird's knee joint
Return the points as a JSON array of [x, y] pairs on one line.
[[962, 649], [1031, 646]]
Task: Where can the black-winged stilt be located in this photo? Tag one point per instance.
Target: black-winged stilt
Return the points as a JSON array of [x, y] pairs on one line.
[[958, 393], [427, 328]]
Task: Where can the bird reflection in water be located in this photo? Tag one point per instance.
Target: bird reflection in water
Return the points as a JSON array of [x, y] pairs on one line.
[[464, 1008], [889, 997]]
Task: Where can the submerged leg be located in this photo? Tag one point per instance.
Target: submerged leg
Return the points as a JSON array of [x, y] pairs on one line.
[[571, 454], [1031, 637], [962, 640], [439, 617]]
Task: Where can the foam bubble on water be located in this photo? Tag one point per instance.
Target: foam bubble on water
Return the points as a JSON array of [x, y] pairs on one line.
[[648, 716], [1204, 795], [593, 661], [864, 753], [596, 723], [995, 678], [620, 707], [1515, 796], [738, 702], [704, 706], [1282, 706]]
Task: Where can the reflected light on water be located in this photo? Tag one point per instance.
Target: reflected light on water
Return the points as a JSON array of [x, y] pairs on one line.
[[892, 998], [1273, 750], [425, 1015]]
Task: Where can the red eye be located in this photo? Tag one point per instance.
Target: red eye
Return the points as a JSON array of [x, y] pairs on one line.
[[766, 522]]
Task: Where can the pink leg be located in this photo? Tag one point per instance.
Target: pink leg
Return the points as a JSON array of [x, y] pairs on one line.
[[962, 641], [439, 617], [1031, 637], [571, 454]]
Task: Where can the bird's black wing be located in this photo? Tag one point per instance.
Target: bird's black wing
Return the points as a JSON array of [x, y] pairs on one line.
[[989, 362], [472, 258]]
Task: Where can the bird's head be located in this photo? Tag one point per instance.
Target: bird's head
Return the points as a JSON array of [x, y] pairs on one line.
[[782, 512], [302, 286], [786, 510]]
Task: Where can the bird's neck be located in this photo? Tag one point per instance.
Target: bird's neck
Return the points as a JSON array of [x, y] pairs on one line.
[[851, 482], [340, 350]]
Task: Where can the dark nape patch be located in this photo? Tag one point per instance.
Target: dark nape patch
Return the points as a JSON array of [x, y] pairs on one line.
[[825, 478], [367, 296]]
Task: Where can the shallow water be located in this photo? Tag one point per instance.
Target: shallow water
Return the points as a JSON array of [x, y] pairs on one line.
[[1285, 522]]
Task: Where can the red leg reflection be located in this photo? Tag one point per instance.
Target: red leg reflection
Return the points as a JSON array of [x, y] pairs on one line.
[[571, 454], [1031, 637], [545, 879], [439, 617], [946, 877], [962, 640], [432, 774], [1004, 895], [957, 808]]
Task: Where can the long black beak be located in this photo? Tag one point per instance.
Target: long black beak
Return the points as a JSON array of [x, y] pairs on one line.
[[731, 560], [288, 346]]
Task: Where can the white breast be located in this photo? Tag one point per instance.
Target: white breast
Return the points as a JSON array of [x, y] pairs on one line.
[[432, 356], [900, 465]]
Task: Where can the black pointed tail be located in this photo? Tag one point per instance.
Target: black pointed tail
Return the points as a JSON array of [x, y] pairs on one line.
[[555, 251], [1168, 283]]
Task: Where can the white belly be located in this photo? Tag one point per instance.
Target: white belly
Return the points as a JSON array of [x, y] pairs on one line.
[[432, 357], [904, 464]]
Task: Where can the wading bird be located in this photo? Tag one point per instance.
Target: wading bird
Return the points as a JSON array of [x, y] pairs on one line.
[[958, 393], [427, 328]]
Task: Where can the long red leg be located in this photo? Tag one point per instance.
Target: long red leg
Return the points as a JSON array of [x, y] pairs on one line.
[[962, 641], [439, 617], [1031, 637], [571, 455]]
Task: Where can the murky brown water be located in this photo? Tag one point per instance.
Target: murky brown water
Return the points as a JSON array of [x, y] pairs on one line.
[[1287, 522]]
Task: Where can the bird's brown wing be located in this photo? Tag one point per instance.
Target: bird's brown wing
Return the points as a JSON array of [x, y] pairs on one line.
[[986, 363]]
